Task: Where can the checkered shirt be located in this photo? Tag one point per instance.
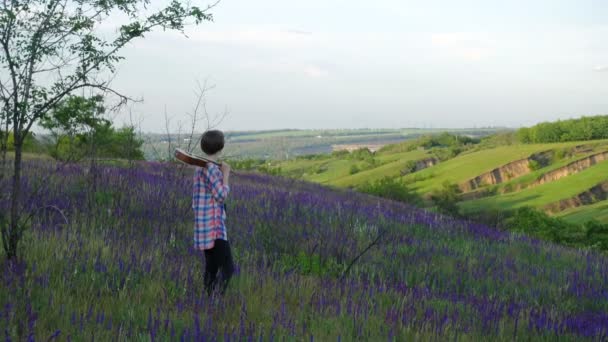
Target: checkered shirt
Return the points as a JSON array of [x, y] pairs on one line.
[[208, 195]]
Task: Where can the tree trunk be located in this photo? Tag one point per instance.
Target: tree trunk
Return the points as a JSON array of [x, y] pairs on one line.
[[3, 172], [14, 231], [93, 175], [3, 149]]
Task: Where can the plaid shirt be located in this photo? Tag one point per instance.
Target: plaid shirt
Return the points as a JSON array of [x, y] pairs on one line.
[[208, 195]]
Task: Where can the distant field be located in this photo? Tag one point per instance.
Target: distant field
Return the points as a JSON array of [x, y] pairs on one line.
[[237, 136], [287, 144]]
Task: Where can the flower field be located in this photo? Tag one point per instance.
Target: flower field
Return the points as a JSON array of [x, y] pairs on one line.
[[115, 262]]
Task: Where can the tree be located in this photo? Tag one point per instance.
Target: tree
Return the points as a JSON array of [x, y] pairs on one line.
[[71, 122], [122, 143], [80, 130], [51, 48], [585, 128]]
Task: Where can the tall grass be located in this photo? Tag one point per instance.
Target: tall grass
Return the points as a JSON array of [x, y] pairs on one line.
[[123, 268]]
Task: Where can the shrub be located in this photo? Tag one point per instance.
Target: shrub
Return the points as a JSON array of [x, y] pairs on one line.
[[534, 165], [392, 188], [30, 144], [537, 223], [410, 167], [596, 234], [446, 198], [270, 170], [340, 153]]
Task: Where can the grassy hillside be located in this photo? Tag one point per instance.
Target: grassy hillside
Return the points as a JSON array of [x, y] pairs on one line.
[[544, 194], [392, 164], [597, 211], [529, 179], [474, 161], [469, 165], [117, 264]]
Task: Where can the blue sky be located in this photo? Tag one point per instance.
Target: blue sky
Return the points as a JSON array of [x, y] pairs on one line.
[[384, 63]]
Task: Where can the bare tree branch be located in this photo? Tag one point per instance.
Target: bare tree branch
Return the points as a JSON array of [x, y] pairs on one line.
[[372, 244]]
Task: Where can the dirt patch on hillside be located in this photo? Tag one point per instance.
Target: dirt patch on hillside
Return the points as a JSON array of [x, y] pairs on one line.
[[572, 168], [419, 165], [425, 163], [507, 172], [593, 195]]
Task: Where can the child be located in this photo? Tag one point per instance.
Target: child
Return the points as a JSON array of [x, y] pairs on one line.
[[210, 189]]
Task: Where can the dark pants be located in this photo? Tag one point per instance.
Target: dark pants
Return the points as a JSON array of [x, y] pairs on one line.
[[218, 258]]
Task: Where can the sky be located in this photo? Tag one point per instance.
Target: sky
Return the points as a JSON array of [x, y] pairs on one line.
[[375, 64]]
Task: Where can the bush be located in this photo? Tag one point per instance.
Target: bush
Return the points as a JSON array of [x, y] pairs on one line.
[[340, 153], [537, 223], [446, 198], [361, 154], [354, 169], [410, 167], [105, 142], [30, 144], [534, 165], [391, 188], [269, 170], [596, 234], [499, 139]]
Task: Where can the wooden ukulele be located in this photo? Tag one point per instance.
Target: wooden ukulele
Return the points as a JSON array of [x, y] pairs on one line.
[[191, 159]]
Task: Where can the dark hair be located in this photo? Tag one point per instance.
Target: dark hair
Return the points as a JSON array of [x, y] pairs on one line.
[[212, 142]]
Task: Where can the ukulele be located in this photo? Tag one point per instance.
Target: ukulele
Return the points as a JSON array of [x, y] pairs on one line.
[[191, 159]]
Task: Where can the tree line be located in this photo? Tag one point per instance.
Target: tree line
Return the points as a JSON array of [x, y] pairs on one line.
[[585, 128], [77, 130]]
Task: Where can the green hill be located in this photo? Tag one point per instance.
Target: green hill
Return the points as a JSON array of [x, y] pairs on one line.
[[490, 176], [544, 194], [469, 165], [392, 166], [597, 211]]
